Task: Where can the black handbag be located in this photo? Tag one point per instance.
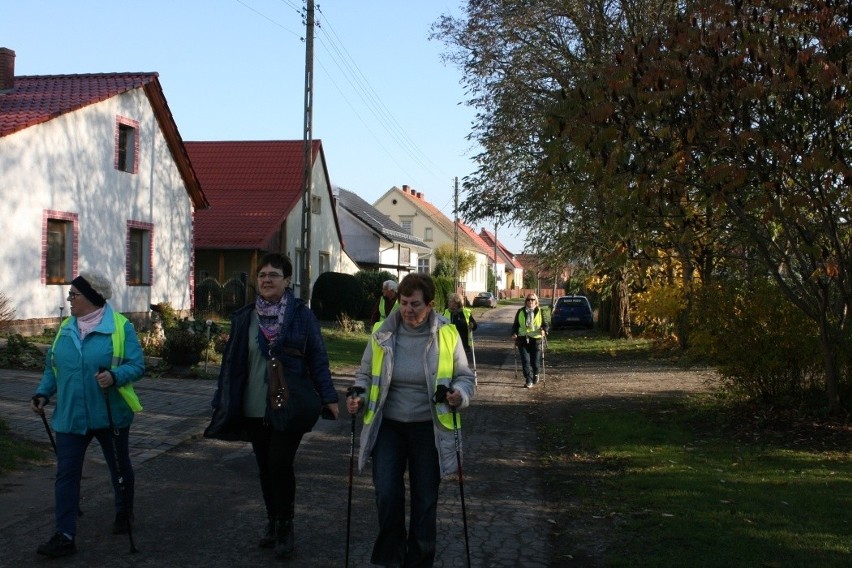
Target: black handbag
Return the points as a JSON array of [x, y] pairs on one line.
[[294, 404]]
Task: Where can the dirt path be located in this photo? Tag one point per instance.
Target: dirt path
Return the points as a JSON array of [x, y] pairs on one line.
[[577, 535]]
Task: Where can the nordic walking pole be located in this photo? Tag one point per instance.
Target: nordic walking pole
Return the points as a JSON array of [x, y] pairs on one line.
[[461, 484], [543, 367], [121, 485], [351, 391], [49, 432], [53, 443], [473, 355], [515, 351]]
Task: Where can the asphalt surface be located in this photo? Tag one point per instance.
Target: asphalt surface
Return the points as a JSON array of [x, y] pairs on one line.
[[198, 501]]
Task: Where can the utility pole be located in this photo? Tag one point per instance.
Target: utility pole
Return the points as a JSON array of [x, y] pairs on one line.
[[496, 287], [309, 150], [456, 234]]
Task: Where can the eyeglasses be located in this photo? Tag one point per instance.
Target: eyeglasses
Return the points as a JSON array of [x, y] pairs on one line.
[[72, 295], [532, 299], [272, 275]]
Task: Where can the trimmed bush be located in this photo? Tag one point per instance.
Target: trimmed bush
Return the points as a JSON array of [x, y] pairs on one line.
[[335, 294], [371, 282], [443, 288]]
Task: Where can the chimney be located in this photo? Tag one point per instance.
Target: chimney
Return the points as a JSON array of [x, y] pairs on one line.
[[419, 195], [405, 189], [7, 69]]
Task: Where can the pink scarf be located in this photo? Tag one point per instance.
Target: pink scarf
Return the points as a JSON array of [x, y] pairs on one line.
[[90, 321]]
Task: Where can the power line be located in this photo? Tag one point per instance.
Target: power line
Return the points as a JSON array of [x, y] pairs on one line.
[[378, 108], [262, 15], [360, 85]]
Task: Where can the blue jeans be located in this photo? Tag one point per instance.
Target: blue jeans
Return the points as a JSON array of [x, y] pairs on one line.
[[400, 445], [530, 358], [70, 455]]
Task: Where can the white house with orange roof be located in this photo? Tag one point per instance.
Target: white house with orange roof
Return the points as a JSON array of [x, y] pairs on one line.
[[421, 219], [510, 271], [93, 175]]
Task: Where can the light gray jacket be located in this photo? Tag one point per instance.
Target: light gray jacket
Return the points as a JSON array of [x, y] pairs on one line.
[[463, 382]]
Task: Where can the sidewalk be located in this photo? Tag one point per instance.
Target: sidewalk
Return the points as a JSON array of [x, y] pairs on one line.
[[198, 500]]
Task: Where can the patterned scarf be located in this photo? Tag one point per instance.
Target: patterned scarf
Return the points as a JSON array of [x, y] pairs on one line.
[[271, 318]]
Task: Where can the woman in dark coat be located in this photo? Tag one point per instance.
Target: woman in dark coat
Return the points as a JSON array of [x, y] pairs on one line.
[[277, 329]]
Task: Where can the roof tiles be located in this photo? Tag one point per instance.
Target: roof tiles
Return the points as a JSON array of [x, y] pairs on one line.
[[37, 99], [252, 187]]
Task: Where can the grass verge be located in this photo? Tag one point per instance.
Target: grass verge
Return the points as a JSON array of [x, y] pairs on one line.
[[675, 485], [15, 451], [345, 349]]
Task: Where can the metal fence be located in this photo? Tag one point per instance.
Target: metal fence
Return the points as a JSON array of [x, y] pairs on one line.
[[211, 297]]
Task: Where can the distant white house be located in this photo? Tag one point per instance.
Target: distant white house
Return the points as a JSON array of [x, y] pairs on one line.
[[374, 240], [423, 220], [510, 271], [93, 175]]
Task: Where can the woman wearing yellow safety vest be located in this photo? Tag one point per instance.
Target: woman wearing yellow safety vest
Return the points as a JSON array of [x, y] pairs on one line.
[[461, 317], [91, 366], [412, 357], [528, 328]]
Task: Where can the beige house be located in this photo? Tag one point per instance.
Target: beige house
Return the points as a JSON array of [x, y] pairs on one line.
[[421, 219]]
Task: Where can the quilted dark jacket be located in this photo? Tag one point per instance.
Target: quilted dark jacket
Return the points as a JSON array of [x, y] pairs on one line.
[[300, 331]]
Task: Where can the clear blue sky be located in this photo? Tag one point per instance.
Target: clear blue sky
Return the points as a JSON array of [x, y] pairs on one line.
[[387, 110]]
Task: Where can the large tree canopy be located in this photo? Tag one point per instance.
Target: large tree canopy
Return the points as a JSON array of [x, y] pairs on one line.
[[716, 132], [742, 109]]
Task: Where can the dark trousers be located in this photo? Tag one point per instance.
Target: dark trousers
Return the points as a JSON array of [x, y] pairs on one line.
[[70, 455], [275, 453], [400, 445], [530, 357]]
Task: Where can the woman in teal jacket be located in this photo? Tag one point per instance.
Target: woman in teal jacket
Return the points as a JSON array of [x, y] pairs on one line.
[[95, 353]]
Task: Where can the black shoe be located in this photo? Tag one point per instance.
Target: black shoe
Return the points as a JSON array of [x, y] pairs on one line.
[[285, 540], [58, 545], [122, 522], [535, 380], [528, 385], [268, 538]]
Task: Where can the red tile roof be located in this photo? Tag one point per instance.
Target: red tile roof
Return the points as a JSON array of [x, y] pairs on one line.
[[252, 187], [474, 236], [467, 237], [488, 237], [37, 99]]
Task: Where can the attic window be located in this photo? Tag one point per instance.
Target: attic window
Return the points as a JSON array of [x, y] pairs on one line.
[[405, 223], [316, 204], [126, 145], [427, 234]]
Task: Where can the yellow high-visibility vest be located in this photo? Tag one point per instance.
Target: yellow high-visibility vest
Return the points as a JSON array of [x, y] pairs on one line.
[[535, 331], [448, 337], [127, 393]]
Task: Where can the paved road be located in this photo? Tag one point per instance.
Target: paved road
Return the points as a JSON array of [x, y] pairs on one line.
[[198, 500]]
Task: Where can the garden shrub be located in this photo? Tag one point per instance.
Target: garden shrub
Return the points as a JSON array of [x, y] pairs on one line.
[[335, 293], [7, 311], [764, 347], [444, 286], [21, 354], [371, 283]]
